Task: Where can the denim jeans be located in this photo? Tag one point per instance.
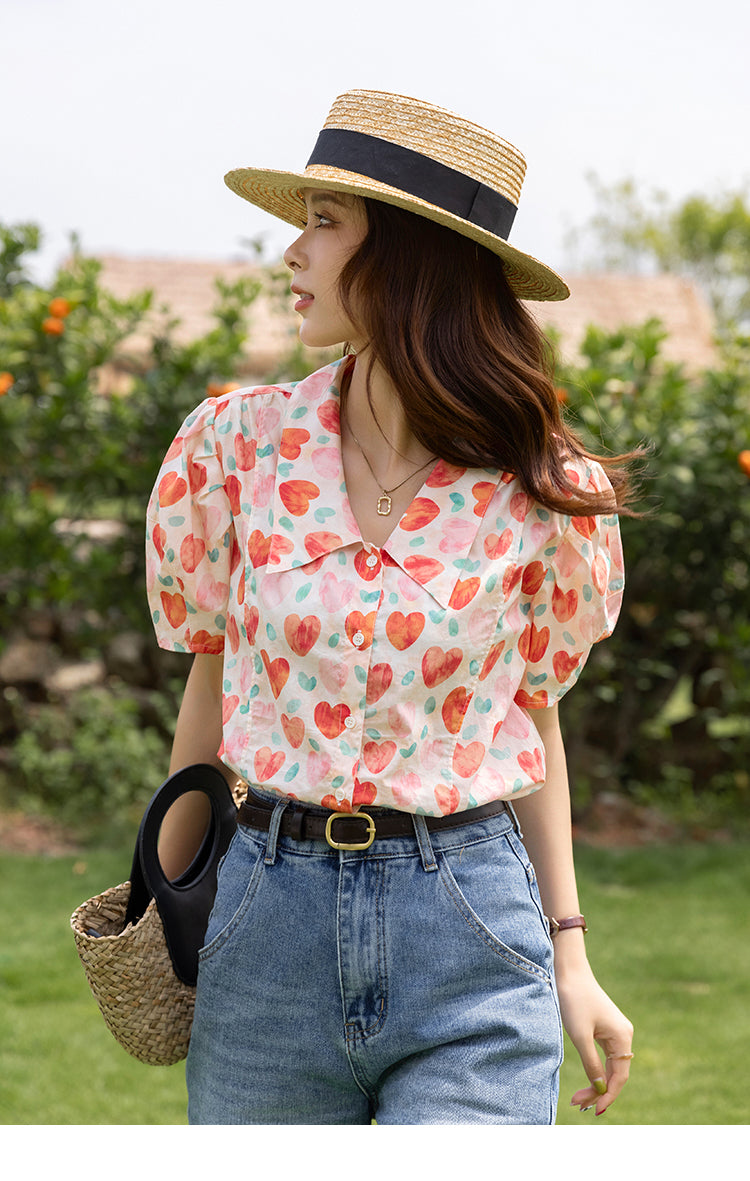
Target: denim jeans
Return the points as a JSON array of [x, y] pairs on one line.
[[410, 983]]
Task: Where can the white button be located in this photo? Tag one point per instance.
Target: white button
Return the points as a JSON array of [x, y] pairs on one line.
[[358, 638], [340, 794], [372, 560], [349, 722]]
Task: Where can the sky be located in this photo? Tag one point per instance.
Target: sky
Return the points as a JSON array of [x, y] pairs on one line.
[[118, 121]]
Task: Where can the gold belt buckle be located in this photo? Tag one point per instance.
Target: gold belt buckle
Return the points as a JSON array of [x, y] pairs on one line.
[[350, 816]]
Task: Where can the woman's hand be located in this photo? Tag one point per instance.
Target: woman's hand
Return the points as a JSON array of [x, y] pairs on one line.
[[590, 1017]]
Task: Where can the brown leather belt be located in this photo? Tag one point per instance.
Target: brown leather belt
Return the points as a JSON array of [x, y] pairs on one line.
[[362, 828]]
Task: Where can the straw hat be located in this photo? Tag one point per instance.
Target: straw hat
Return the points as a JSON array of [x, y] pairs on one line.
[[422, 158]]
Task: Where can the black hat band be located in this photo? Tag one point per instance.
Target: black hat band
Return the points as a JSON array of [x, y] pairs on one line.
[[415, 174]]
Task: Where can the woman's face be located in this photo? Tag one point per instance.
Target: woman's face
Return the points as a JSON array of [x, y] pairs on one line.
[[336, 225]]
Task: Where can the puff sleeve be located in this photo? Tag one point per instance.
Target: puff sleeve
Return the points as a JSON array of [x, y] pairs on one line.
[[571, 595], [190, 541]]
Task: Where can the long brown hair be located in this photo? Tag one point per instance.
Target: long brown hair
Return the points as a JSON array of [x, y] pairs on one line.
[[473, 369]]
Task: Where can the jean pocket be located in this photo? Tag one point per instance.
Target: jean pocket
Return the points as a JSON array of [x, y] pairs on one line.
[[495, 894], [238, 878]]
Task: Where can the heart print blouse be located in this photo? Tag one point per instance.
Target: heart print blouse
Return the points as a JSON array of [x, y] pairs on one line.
[[403, 676]]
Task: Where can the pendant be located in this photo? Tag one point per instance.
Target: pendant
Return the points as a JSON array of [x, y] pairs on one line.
[[385, 504]]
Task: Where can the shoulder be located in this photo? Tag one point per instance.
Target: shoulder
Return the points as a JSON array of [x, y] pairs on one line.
[[255, 410]]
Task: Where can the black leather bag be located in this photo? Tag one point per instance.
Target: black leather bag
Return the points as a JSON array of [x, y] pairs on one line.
[[138, 942], [185, 903]]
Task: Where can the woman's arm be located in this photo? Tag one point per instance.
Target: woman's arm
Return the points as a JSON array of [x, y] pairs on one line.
[[589, 1016], [197, 739]]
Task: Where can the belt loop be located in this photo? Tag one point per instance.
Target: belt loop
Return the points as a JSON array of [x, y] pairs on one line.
[[273, 831], [512, 813], [425, 844]]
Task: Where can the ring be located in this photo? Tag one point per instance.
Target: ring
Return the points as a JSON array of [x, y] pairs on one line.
[[615, 1057]]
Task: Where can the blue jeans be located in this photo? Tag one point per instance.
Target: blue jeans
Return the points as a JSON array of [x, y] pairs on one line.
[[410, 983]]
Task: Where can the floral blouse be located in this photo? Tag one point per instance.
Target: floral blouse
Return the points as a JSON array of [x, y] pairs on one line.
[[403, 676]]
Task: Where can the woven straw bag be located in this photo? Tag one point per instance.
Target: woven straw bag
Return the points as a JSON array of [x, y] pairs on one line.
[[138, 942]]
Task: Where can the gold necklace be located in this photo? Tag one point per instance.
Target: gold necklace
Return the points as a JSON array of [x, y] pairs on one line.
[[384, 503]]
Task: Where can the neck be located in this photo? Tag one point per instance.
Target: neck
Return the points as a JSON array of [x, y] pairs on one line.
[[379, 423]]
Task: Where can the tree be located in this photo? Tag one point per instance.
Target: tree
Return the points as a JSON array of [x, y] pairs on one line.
[[705, 240]]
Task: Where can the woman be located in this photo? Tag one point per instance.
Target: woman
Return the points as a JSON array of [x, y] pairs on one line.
[[389, 574]]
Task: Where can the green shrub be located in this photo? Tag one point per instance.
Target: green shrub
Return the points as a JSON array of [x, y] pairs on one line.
[[89, 762], [71, 454], [661, 707]]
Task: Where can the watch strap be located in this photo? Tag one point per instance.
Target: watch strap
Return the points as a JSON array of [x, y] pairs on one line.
[[576, 920]]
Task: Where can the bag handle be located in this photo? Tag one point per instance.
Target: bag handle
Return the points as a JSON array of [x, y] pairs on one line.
[[185, 903]]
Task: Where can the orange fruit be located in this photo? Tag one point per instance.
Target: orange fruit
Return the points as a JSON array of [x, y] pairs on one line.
[[59, 307]]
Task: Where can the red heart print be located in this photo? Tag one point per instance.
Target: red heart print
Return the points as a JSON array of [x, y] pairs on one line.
[[159, 536], [197, 475], [447, 798], [496, 547], [252, 618], [292, 439], [586, 526], [335, 805], [258, 546], [202, 641], [482, 493], [228, 706], [533, 577], [564, 606], [438, 665], [172, 488], [233, 489], [511, 578], [378, 681], [491, 659], [532, 764], [297, 494], [362, 568], [454, 708], [233, 634], [377, 755], [191, 552], [301, 634], [174, 608], [267, 763], [536, 700], [533, 643], [403, 630], [294, 728], [364, 793], [277, 670], [244, 452], [321, 543], [365, 624], [599, 573], [328, 417], [519, 506], [420, 512], [563, 664], [466, 759], [463, 593], [331, 719], [443, 474], [422, 570]]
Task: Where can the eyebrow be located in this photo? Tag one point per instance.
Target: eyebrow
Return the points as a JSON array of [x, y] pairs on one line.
[[332, 198]]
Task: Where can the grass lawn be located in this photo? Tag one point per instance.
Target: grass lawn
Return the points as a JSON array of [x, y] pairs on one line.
[[666, 941]]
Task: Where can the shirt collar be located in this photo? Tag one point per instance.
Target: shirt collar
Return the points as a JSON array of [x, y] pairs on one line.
[[313, 517]]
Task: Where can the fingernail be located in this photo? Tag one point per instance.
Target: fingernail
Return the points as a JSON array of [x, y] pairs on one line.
[[600, 1086], [587, 1108]]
